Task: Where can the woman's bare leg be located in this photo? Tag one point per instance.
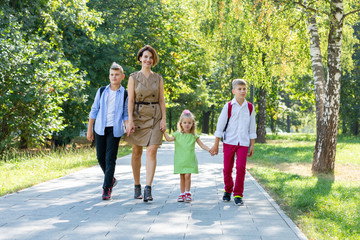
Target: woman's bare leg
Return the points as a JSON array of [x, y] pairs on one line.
[[151, 152], [136, 162]]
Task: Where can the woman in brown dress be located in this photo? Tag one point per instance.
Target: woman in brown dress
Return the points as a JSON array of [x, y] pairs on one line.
[[147, 118]]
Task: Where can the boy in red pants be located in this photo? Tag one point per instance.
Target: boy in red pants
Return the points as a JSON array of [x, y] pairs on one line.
[[236, 124]]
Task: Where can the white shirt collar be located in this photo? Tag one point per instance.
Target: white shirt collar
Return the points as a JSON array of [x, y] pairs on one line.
[[233, 101]]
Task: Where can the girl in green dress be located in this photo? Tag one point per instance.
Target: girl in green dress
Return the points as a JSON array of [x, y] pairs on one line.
[[185, 161]]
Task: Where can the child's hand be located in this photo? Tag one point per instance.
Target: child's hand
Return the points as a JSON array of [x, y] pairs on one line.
[[214, 150], [251, 151], [211, 153], [90, 136]]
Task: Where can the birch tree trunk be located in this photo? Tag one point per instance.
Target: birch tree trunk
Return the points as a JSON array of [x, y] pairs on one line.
[[318, 69], [325, 149], [261, 116]]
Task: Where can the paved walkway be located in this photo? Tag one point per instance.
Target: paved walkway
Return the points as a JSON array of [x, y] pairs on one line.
[[71, 207]]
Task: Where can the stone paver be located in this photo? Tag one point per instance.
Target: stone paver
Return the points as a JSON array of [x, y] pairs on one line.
[[71, 207]]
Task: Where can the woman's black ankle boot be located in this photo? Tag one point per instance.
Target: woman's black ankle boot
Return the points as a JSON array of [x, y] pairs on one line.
[[147, 194], [137, 194]]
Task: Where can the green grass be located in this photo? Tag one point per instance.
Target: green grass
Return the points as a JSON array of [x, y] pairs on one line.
[[324, 209], [322, 206], [299, 148], [25, 171]]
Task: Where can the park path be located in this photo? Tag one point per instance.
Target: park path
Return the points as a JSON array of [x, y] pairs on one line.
[[70, 207]]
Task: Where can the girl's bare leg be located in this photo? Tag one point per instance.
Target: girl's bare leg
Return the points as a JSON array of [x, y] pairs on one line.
[[182, 183], [187, 181]]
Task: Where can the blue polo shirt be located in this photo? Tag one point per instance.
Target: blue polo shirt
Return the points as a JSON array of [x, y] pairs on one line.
[[99, 111]]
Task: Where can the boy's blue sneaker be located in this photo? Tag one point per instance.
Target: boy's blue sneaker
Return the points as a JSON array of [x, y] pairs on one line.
[[226, 196], [238, 201]]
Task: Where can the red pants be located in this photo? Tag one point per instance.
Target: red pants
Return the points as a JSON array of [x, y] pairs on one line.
[[241, 156]]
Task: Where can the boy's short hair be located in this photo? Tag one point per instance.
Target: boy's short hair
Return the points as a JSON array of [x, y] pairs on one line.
[[236, 82], [150, 49], [116, 66]]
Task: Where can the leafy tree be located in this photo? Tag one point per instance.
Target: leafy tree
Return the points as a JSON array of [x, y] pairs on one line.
[[350, 89], [37, 81], [270, 54], [328, 18]]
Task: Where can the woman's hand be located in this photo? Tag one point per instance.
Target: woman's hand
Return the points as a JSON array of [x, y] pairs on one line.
[[163, 125], [130, 127]]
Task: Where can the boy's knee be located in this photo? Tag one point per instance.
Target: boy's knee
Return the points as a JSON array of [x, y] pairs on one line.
[[227, 170], [241, 168]]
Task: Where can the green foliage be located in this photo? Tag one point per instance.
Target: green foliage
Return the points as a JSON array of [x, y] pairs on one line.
[[66, 48], [37, 80], [350, 99]]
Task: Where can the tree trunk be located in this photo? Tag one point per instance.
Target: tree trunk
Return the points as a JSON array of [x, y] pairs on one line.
[[318, 69], [261, 116], [325, 148], [24, 141], [344, 126], [252, 93], [205, 122], [169, 111], [212, 119], [356, 126], [272, 123], [288, 123]]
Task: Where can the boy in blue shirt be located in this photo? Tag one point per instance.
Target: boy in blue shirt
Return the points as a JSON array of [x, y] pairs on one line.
[[110, 111]]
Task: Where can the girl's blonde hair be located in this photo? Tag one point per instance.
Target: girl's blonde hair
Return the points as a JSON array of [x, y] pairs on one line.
[[186, 114]]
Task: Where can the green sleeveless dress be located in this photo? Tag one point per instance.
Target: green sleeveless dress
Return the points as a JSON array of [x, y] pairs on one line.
[[185, 160]]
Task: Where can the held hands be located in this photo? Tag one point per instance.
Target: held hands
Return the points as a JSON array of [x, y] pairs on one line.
[[214, 150], [163, 125], [130, 127], [211, 152]]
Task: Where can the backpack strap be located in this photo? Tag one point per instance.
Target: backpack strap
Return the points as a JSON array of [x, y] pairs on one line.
[[250, 106], [229, 115], [102, 90], [125, 93]]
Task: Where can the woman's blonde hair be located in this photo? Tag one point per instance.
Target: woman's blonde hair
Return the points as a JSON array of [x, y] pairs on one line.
[[186, 114]]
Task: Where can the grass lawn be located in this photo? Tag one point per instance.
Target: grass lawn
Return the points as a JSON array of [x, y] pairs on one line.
[[25, 171], [325, 206]]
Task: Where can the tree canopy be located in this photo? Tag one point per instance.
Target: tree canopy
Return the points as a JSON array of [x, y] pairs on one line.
[[55, 54]]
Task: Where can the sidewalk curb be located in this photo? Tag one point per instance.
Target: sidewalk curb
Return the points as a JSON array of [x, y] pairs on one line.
[[288, 221]]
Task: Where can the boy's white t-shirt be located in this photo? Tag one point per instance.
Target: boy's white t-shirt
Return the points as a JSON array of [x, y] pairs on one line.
[[111, 108]]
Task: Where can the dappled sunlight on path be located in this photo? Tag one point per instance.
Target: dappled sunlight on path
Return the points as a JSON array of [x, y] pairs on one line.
[[71, 207]]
